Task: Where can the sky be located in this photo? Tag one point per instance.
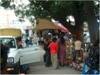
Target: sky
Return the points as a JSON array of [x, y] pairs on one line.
[[8, 18]]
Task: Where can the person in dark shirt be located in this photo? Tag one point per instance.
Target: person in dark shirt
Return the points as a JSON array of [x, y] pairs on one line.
[[92, 60], [4, 51], [47, 55]]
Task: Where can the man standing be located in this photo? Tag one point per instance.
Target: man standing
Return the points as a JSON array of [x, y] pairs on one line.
[[77, 55], [54, 50]]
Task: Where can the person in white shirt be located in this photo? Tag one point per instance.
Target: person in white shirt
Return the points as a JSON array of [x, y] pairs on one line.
[[77, 55], [78, 44]]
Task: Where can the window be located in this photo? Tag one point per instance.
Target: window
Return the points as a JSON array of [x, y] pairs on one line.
[[10, 42]]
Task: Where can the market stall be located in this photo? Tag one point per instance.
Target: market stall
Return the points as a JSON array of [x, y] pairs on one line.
[[44, 24]]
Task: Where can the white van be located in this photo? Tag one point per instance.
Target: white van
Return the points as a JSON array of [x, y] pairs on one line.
[[18, 56]]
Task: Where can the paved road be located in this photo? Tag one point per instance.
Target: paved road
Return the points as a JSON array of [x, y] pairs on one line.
[[39, 68]]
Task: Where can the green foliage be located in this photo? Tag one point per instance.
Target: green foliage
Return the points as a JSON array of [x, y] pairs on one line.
[[48, 8], [5, 3]]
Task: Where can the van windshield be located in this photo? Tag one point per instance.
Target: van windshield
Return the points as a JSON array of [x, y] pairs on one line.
[[10, 42]]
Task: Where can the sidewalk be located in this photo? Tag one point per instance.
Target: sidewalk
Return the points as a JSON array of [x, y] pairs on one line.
[[39, 68]]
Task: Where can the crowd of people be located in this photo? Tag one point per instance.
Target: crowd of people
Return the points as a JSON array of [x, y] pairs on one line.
[[64, 50]]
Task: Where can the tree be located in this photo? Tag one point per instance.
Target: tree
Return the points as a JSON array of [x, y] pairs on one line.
[[91, 15], [59, 10]]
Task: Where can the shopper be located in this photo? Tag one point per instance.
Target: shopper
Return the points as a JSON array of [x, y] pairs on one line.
[[91, 64], [78, 55], [54, 50], [62, 51], [47, 55]]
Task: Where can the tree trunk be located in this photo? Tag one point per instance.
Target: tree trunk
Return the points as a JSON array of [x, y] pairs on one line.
[[89, 14], [78, 15]]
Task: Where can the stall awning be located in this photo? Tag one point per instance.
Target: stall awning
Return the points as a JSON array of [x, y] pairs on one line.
[[46, 24], [61, 27]]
